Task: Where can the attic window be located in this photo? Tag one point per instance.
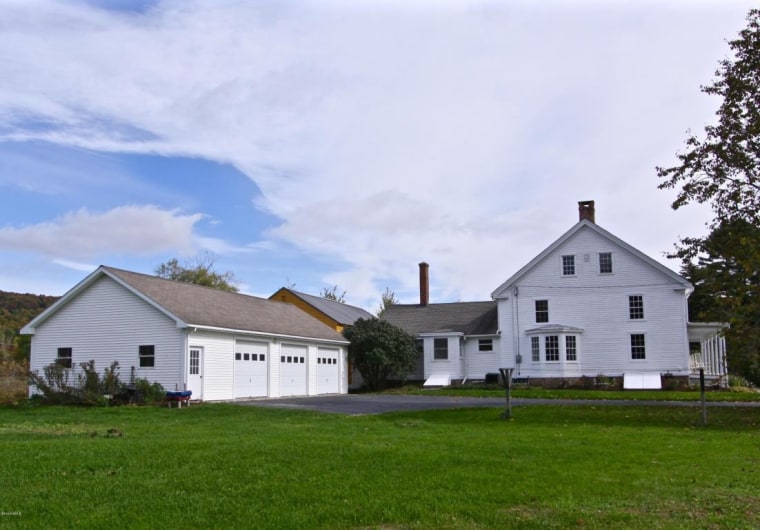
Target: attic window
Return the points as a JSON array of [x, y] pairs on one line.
[[64, 357], [568, 265], [147, 356], [605, 263]]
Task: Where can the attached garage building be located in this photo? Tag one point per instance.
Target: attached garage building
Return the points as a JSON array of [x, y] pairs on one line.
[[220, 345]]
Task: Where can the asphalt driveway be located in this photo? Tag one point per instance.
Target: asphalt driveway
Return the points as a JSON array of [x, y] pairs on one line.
[[355, 404]]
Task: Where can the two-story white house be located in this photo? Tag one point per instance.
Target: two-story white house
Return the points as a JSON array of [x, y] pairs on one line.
[[589, 305]]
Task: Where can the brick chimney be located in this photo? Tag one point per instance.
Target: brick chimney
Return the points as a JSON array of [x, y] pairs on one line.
[[586, 211], [424, 284]]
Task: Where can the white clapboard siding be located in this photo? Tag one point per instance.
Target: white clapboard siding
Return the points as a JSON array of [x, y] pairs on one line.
[[598, 305], [217, 363], [107, 323], [479, 363], [451, 366]]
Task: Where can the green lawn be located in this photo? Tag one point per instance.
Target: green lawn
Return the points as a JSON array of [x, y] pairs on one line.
[[229, 466], [573, 393]]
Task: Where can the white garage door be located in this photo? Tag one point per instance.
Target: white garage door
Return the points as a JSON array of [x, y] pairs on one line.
[[251, 369], [328, 371], [293, 362]]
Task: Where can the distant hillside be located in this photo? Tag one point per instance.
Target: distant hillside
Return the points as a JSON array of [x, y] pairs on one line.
[[16, 310]]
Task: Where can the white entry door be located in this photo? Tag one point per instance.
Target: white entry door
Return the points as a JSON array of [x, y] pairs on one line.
[[195, 371]]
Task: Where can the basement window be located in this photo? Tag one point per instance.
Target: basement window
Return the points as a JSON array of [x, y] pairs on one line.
[[64, 357], [147, 356]]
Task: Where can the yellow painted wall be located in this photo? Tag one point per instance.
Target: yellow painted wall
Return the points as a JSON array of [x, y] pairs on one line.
[[283, 295]]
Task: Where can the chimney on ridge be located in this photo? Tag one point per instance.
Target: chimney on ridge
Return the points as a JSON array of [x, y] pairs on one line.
[[424, 284], [586, 211]]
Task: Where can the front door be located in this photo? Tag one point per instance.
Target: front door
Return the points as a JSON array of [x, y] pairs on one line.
[[195, 372]]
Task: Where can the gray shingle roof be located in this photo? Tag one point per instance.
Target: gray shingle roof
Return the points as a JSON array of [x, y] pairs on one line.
[[204, 306], [342, 313], [470, 318]]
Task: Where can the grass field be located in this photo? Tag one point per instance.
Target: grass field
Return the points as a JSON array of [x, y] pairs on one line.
[[742, 394], [228, 466]]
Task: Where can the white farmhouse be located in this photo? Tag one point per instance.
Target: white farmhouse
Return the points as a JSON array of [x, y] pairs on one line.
[[219, 345], [589, 305]]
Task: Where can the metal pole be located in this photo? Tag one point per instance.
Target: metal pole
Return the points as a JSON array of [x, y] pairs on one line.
[[702, 392], [506, 375]]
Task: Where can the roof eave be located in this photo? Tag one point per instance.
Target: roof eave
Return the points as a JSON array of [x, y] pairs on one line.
[[267, 334], [499, 292]]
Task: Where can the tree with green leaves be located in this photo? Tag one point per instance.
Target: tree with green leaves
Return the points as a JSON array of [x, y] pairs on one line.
[[388, 299], [198, 270], [379, 350], [722, 169], [331, 293]]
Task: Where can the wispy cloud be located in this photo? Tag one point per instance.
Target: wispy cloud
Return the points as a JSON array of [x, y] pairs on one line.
[[139, 230], [75, 265], [380, 134]]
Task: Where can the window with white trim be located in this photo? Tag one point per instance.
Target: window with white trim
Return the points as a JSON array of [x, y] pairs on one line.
[[568, 265], [485, 344], [542, 311], [636, 307], [440, 349], [64, 357], [535, 349], [638, 346], [147, 354], [551, 343], [571, 348], [605, 263]]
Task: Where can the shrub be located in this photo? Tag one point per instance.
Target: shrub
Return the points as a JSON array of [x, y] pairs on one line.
[[58, 386], [13, 387]]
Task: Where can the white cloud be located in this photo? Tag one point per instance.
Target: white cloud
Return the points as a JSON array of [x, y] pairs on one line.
[[75, 265], [138, 230], [382, 135]]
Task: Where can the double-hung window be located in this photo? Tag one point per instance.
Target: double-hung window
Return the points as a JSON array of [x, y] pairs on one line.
[[485, 344], [64, 357], [568, 265], [535, 349], [638, 346], [551, 343], [542, 311], [636, 307], [605, 263], [147, 355], [571, 348], [441, 349]]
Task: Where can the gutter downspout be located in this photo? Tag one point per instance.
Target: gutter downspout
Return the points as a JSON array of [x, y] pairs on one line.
[[464, 358], [516, 327]]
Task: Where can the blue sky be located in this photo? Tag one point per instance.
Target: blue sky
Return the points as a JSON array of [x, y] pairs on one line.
[[341, 143]]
